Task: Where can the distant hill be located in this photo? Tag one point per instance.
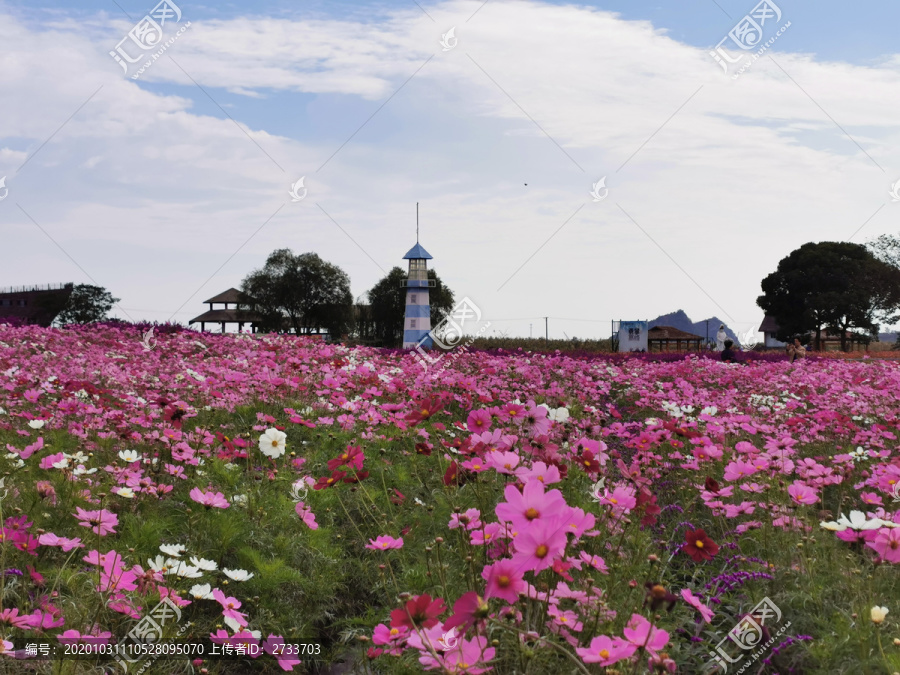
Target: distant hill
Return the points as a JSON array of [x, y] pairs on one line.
[[888, 337], [682, 321]]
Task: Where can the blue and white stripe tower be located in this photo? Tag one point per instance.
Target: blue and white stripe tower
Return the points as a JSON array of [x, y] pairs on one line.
[[417, 321]]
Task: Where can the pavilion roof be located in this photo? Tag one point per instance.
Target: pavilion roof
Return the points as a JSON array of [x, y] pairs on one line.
[[232, 295], [226, 315], [670, 333]]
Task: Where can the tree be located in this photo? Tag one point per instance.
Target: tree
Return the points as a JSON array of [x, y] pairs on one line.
[[387, 300], [832, 285], [887, 249], [302, 293], [87, 304]]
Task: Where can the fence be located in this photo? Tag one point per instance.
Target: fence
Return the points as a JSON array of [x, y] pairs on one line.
[[32, 289]]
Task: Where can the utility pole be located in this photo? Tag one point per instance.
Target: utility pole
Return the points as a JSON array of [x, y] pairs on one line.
[[546, 330], [707, 332], [531, 330]]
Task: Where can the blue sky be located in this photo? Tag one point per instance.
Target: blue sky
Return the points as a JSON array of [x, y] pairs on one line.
[[172, 187]]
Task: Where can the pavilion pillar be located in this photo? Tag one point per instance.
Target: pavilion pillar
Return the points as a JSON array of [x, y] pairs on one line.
[[202, 326]]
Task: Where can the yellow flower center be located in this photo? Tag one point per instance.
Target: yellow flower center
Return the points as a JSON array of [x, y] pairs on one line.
[[698, 544], [394, 631], [503, 581], [542, 551], [532, 513], [604, 653], [614, 500]]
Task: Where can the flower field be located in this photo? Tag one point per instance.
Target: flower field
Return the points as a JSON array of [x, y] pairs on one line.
[[296, 506]]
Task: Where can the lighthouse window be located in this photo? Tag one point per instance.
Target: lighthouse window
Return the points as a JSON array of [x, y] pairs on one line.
[[412, 323], [412, 299]]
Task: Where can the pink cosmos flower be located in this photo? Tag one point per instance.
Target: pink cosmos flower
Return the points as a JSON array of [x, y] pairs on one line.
[[802, 493], [887, 544], [697, 604], [11, 617], [486, 534], [479, 421], [606, 651], [393, 639], [384, 542], [539, 471], [622, 499], [504, 580], [273, 645], [502, 462], [50, 539], [642, 633], [594, 561], [209, 498], [540, 544], [306, 515], [738, 469], [55, 460], [532, 504], [230, 607], [101, 522], [470, 520]]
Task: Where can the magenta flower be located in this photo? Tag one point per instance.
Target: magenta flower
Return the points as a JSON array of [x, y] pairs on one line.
[[606, 651], [384, 542], [642, 633], [697, 604], [504, 581], [274, 644], [522, 508], [101, 522], [887, 544], [306, 515], [209, 498], [539, 471], [478, 421], [540, 544], [738, 469], [502, 462], [230, 607], [802, 493]]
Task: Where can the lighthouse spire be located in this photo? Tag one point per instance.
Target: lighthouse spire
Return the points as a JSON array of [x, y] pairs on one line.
[[417, 222]]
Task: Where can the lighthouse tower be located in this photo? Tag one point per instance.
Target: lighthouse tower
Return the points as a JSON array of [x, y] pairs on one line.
[[417, 321]]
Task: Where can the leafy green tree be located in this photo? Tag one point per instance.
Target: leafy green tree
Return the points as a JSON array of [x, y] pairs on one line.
[[832, 285], [87, 304], [387, 302], [301, 292], [887, 249]]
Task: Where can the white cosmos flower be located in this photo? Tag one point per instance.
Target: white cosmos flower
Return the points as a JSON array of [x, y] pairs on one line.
[[237, 575], [201, 592], [36, 424], [80, 470], [709, 410], [125, 492], [272, 444], [174, 550], [164, 565], [129, 455], [204, 564], [186, 571], [858, 521], [79, 457], [61, 464], [239, 500]]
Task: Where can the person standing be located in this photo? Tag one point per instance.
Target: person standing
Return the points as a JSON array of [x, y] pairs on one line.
[[721, 336]]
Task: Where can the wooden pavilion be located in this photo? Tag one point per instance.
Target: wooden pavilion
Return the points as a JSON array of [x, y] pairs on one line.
[[225, 315], [669, 339]]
